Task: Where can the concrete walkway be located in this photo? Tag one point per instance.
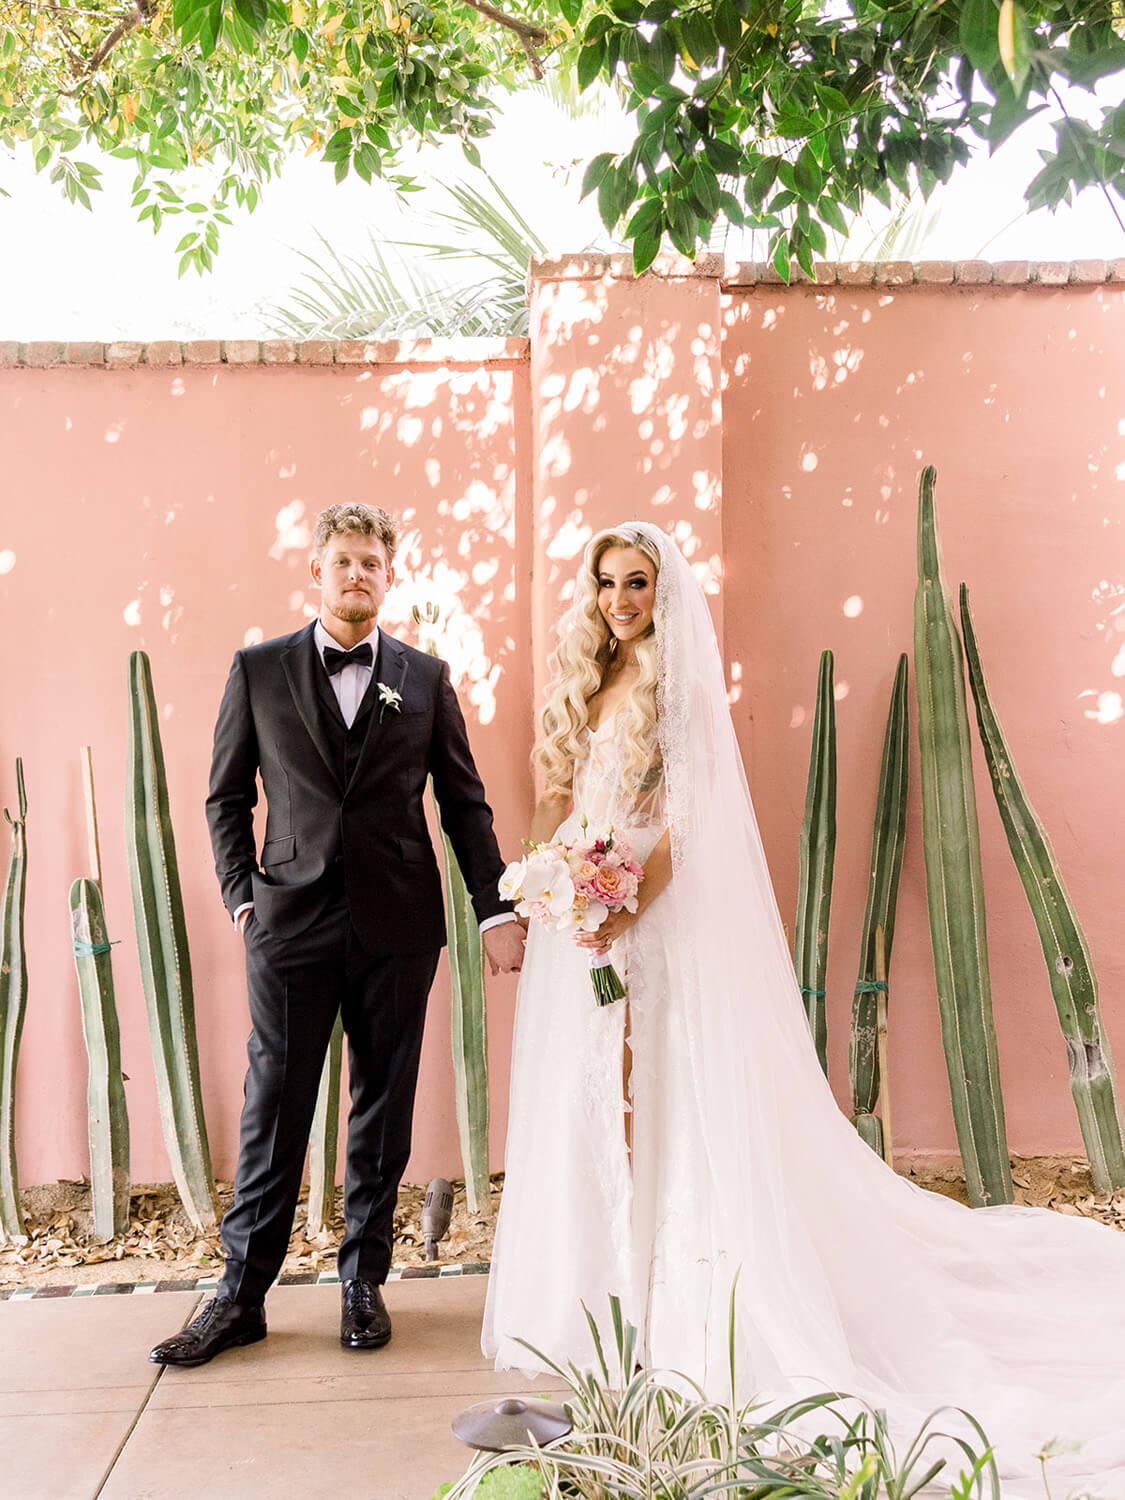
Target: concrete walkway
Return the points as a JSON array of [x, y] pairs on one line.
[[83, 1416]]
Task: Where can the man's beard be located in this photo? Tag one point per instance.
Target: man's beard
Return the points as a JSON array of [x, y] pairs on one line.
[[353, 614]]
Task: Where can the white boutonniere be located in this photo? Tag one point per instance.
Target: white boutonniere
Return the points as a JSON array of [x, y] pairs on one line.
[[388, 698]]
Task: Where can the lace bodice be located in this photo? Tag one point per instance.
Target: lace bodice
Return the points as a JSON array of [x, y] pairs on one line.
[[602, 796]]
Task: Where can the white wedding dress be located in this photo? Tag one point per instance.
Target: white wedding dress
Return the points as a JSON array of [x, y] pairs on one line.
[[849, 1277]]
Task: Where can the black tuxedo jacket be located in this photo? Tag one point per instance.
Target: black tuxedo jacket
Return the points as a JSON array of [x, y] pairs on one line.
[[345, 812]]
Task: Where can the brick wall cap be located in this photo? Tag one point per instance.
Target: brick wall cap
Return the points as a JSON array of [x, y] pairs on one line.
[[126, 353], [123, 353]]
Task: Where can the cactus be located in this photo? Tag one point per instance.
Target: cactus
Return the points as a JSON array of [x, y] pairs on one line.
[[470, 1031], [1069, 967], [325, 1136], [954, 883], [818, 854], [162, 940], [13, 1002], [105, 1094], [882, 898]]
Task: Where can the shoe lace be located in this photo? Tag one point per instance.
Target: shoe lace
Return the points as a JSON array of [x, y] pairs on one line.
[[361, 1297], [203, 1319]]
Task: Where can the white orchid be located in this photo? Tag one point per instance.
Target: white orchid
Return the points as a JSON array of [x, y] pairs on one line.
[[584, 916], [511, 882], [547, 884]]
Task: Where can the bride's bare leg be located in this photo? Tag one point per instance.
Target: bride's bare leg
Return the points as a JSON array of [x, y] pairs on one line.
[[627, 1083]]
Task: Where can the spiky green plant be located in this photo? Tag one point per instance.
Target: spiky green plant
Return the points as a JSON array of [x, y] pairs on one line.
[[469, 1020], [106, 1110], [13, 1003], [887, 842], [158, 908], [381, 294], [643, 1433], [954, 882], [324, 1137], [1070, 969], [470, 1031], [818, 855]]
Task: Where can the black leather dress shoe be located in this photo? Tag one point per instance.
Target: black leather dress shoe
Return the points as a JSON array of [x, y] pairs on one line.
[[365, 1322], [222, 1324]]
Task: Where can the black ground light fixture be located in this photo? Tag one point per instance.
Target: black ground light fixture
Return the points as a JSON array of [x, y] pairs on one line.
[[493, 1426], [437, 1209]]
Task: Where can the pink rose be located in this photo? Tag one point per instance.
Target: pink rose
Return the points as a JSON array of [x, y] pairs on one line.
[[614, 884]]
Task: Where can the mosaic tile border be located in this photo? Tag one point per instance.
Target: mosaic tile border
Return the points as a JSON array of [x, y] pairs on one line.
[[436, 1272]]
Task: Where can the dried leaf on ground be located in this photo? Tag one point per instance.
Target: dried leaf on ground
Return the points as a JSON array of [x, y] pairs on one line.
[[60, 1248]]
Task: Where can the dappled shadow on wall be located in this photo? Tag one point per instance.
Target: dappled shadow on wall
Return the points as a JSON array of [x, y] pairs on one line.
[[628, 423], [835, 399], [437, 446]]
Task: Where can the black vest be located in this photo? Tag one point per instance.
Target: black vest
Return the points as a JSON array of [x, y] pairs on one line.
[[347, 744]]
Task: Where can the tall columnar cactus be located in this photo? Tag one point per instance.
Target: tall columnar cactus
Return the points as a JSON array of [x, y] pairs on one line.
[[325, 1136], [887, 844], [162, 940], [818, 855], [1069, 966], [107, 1113], [13, 1002], [954, 883], [470, 1031]]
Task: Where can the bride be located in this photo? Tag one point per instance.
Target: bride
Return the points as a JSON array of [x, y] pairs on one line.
[[662, 1145]]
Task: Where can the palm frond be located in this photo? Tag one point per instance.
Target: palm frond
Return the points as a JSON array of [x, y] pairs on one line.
[[385, 293]]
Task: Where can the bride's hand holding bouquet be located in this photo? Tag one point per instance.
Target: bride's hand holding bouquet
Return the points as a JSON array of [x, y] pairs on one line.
[[587, 887]]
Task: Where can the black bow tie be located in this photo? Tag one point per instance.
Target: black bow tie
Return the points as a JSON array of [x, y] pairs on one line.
[[335, 661]]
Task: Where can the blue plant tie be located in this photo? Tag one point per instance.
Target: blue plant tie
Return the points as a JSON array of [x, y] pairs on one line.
[[817, 994], [93, 950], [871, 987]]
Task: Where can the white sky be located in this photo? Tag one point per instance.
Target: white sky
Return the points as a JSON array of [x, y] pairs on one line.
[[69, 274]]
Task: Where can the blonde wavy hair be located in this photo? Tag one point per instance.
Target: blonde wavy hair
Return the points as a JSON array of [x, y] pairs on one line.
[[586, 647]]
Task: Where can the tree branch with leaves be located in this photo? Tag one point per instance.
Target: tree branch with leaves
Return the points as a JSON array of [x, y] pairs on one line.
[[787, 116]]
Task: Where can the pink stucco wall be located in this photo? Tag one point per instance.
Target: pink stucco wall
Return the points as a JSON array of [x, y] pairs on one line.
[[779, 432], [169, 510], [834, 400]]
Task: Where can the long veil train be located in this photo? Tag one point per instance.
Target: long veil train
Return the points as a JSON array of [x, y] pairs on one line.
[[848, 1275]]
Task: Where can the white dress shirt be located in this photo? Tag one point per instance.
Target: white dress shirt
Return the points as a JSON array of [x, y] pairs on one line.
[[349, 684]]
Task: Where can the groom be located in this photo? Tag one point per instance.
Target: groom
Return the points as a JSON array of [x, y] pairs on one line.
[[340, 913]]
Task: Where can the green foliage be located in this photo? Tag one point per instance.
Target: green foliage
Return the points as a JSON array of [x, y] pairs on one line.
[[158, 912], [512, 1482], [324, 1136], [1070, 969], [13, 1004], [106, 1110], [818, 858], [506, 1482], [783, 115], [229, 86], [468, 1014], [887, 843], [381, 295], [638, 1435], [954, 878], [789, 115]]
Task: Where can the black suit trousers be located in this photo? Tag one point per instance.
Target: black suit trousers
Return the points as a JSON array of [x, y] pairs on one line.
[[297, 986]]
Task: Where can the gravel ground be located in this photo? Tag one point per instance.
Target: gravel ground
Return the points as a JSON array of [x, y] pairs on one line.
[[163, 1245]]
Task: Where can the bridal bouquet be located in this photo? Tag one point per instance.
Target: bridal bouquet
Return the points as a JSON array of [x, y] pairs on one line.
[[573, 887]]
